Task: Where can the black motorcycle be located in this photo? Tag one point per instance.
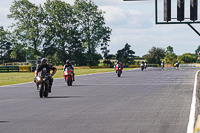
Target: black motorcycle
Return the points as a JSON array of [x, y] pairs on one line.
[[43, 81]]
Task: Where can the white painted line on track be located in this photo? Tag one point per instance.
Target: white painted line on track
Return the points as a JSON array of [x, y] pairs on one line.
[[16, 84], [190, 127]]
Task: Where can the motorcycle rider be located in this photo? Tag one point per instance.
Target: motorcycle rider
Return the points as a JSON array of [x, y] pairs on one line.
[[48, 67], [68, 64], [177, 64], [142, 64], [120, 65], [162, 64], [145, 64]]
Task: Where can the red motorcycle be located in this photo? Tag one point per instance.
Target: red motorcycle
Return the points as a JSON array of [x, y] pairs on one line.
[[118, 70], [68, 76]]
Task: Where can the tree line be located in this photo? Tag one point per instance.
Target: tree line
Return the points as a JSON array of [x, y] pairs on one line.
[[156, 55], [56, 30], [60, 31]]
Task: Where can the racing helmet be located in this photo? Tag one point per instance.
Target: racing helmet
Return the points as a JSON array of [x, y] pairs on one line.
[[44, 61], [68, 61]]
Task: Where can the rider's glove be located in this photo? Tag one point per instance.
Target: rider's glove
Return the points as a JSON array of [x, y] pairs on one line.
[[52, 74]]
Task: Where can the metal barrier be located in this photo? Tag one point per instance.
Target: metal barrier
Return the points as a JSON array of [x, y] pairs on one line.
[[32, 69], [134, 66], [187, 65], [152, 65], [94, 67], [9, 69]]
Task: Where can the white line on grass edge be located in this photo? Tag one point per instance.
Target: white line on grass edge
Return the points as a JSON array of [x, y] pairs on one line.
[[190, 127]]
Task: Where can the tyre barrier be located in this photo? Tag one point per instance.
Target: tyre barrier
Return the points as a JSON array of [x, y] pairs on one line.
[[24, 69]]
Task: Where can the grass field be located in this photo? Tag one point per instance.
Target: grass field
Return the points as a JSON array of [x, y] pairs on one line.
[[23, 77]]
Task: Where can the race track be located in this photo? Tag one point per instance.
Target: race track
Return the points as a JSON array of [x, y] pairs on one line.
[[151, 101]]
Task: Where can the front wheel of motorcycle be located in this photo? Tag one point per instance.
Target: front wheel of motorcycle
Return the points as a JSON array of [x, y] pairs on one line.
[[68, 81], [71, 82], [41, 93], [46, 91], [119, 74]]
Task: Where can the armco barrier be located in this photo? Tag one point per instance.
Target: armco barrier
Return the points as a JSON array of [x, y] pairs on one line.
[[94, 67], [134, 66], [24, 69], [152, 65], [9, 69], [187, 65]]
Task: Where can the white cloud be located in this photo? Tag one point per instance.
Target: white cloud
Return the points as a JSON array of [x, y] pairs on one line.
[[119, 2], [118, 17]]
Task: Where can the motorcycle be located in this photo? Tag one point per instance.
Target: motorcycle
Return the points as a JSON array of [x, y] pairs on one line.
[[118, 70], [142, 66], [68, 76], [43, 81]]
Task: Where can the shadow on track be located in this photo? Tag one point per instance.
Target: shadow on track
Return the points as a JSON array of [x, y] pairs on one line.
[[4, 121], [65, 97]]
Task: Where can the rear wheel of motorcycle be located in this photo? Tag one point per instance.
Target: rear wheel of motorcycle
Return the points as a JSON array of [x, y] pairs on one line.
[[46, 91], [41, 93]]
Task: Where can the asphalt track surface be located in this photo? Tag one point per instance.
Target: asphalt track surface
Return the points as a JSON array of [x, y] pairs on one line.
[[151, 101]]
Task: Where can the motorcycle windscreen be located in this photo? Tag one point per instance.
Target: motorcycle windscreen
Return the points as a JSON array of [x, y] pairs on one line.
[[67, 69]]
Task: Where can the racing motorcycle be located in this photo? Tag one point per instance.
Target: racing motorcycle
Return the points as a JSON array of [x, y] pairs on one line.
[[118, 70], [43, 81], [68, 76]]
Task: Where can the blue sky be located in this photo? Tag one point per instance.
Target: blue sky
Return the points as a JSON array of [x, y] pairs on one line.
[[134, 23]]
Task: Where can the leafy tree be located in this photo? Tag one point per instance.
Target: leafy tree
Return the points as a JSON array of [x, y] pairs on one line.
[[58, 30], [169, 50], [28, 28], [5, 45], [188, 58], [170, 58], [91, 26], [105, 51], [154, 55], [18, 53], [125, 54], [197, 52], [60, 14], [113, 57]]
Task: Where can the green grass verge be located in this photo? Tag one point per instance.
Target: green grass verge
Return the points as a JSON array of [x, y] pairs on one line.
[[23, 77]]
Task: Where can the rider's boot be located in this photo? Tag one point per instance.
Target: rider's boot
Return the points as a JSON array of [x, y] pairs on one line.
[[37, 86]]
